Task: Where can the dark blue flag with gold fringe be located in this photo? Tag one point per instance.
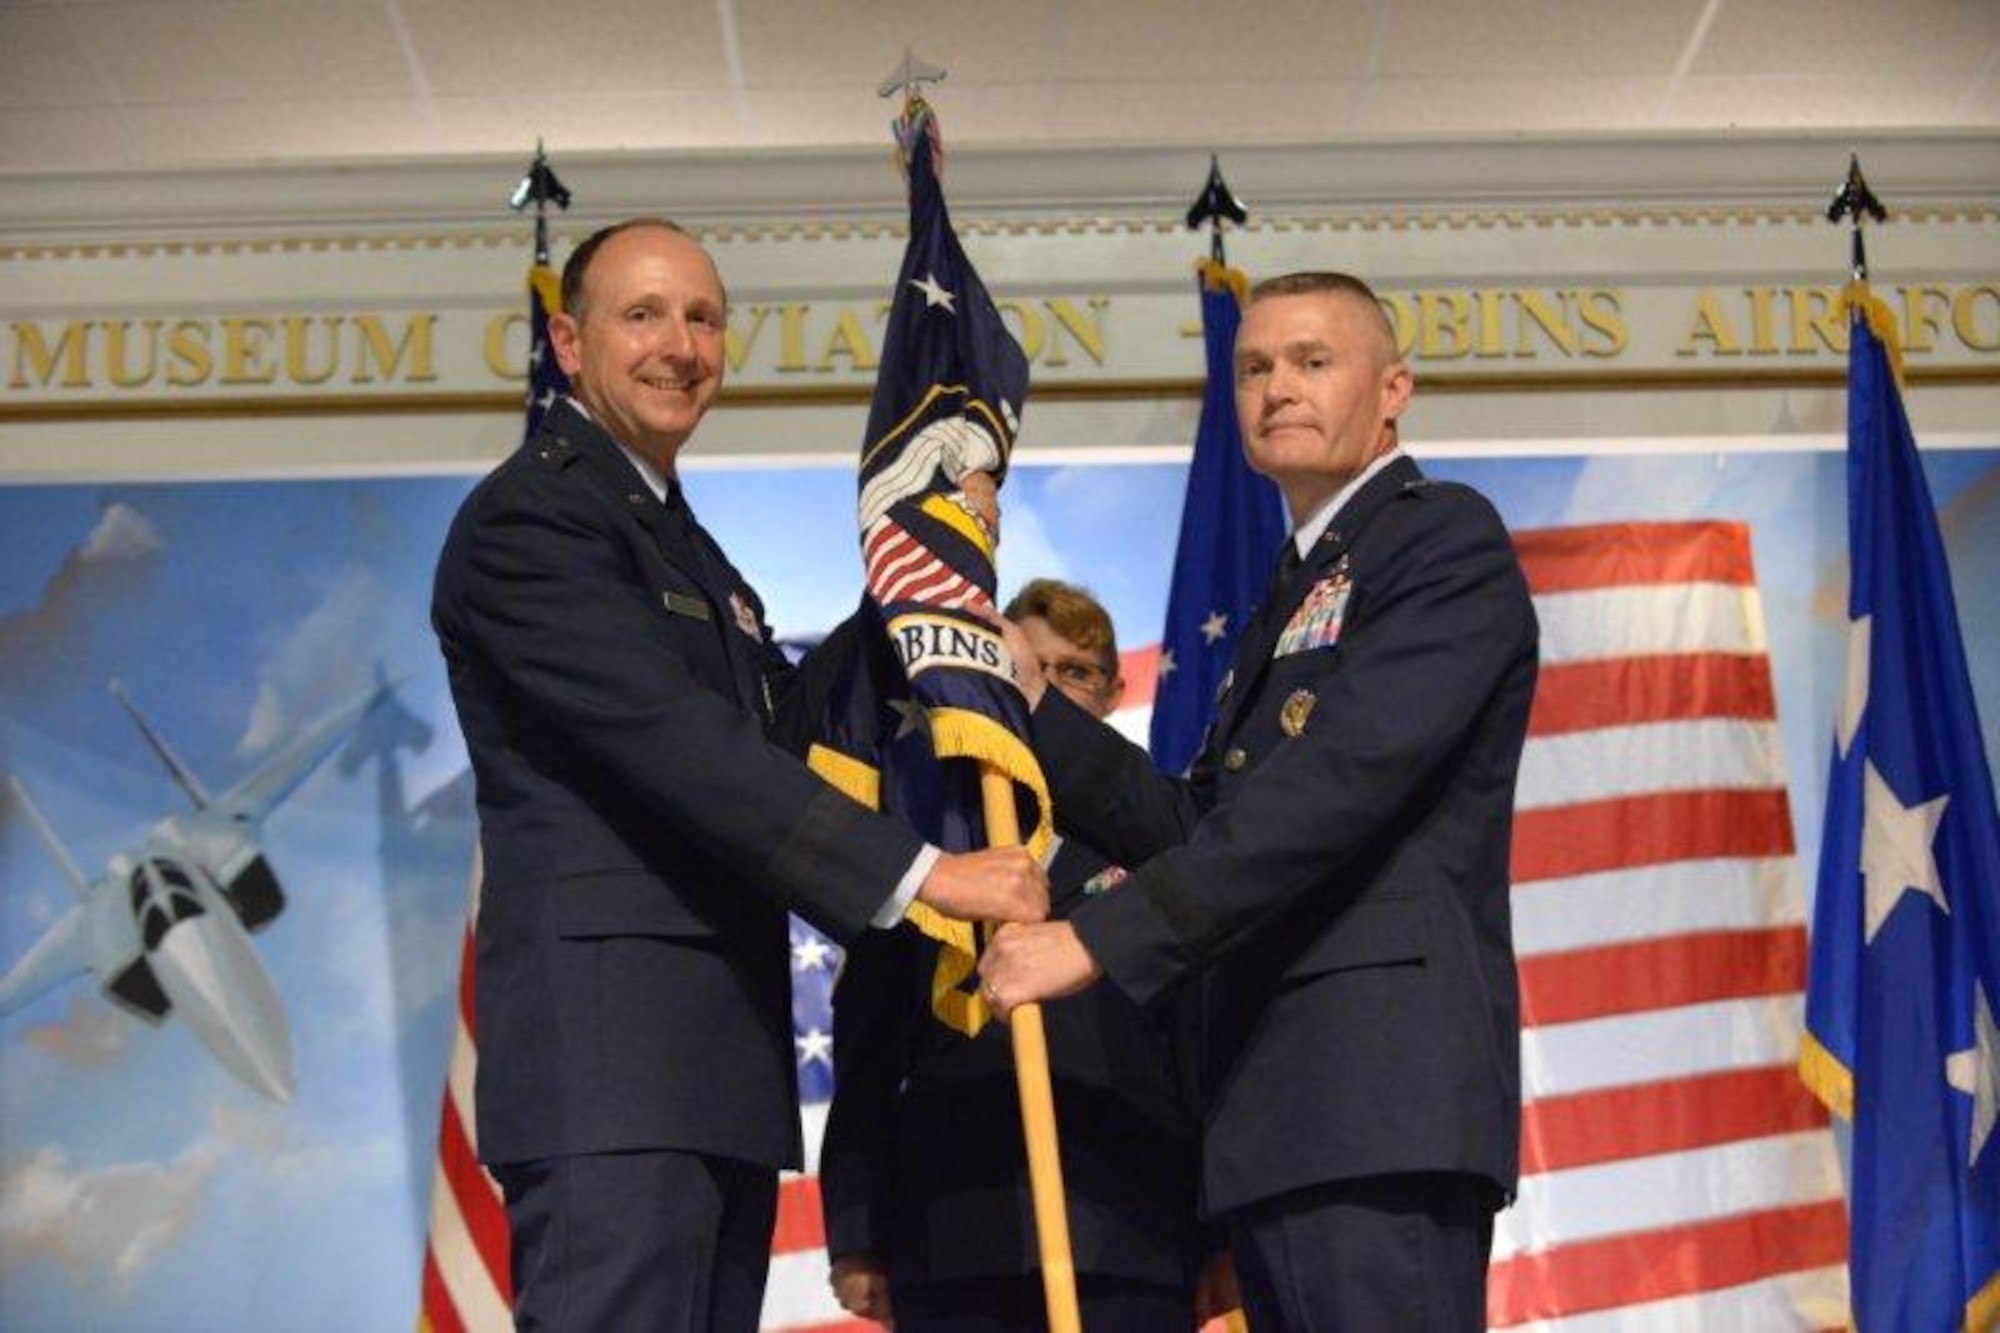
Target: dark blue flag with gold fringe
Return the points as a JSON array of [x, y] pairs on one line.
[[932, 695], [1902, 1036], [1231, 524]]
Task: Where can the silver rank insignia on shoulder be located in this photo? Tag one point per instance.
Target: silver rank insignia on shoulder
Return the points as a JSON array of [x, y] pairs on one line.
[[1292, 714], [746, 619]]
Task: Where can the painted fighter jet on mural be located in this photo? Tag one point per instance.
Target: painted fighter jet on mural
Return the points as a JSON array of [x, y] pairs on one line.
[[167, 927]]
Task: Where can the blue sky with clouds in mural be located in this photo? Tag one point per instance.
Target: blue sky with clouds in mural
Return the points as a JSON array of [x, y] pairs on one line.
[[142, 1187]]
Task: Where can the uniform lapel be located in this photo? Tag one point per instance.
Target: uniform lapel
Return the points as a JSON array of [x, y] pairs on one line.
[[614, 474], [1253, 651], [729, 597], [674, 537]]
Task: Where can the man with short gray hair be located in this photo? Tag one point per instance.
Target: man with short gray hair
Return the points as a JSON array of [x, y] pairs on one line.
[[1336, 862]]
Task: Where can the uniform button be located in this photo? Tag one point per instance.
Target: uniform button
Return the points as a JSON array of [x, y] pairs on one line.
[[1235, 758]]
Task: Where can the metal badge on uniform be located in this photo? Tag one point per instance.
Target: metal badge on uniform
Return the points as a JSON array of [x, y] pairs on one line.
[[681, 604], [1317, 622], [746, 619], [1103, 880], [1292, 714]]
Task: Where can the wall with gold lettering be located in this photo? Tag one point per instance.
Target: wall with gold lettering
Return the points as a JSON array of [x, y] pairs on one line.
[[327, 318]]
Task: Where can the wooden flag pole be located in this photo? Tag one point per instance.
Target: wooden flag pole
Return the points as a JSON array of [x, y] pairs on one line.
[[1038, 1103]]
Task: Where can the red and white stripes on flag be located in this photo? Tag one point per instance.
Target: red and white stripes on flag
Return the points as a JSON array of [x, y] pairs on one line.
[[1675, 1174], [465, 1284], [796, 1296], [902, 569]]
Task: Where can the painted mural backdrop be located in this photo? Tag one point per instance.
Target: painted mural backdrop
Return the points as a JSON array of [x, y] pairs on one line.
[[222, 704]]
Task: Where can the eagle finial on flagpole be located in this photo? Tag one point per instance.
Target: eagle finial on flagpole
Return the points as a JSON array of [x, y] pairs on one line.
[[1857, 203], [910, 78], [1216, 205], [541, 188]]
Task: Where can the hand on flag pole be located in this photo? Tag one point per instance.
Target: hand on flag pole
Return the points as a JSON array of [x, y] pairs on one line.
[[1024, 965], [994, 884]]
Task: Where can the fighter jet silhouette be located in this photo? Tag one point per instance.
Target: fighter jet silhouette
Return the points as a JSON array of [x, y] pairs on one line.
[[166, 929]]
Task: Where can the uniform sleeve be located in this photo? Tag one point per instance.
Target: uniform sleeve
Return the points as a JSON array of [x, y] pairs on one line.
[[543, 600], [1446, 624], [1105, 788]]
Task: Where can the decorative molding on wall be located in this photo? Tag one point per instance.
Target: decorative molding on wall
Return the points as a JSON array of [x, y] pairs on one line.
[[1148, 389], [513, 239], [1501, 182]]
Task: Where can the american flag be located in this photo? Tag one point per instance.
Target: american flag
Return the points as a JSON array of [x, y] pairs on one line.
[[465, 1280], [1674, 1173], [796, 1298], [466, 1283]]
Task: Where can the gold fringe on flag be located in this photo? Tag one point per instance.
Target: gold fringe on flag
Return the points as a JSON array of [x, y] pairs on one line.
[[547, 287], [1856, 298], [1826, 1078], [956, 734], [1215, 277]]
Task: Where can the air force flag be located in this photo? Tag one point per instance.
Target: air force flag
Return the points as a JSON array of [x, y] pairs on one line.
[[1905, 985]]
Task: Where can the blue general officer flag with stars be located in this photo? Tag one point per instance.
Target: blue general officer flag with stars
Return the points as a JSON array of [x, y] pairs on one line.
[[933, 681], [546, 381], [1900, 1009], [1231, 524]]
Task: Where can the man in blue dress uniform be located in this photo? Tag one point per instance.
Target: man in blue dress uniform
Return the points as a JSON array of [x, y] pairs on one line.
[[1336, 860], [642, 835]]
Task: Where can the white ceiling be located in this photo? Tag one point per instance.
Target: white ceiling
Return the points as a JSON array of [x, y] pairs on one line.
[[89, 84]]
